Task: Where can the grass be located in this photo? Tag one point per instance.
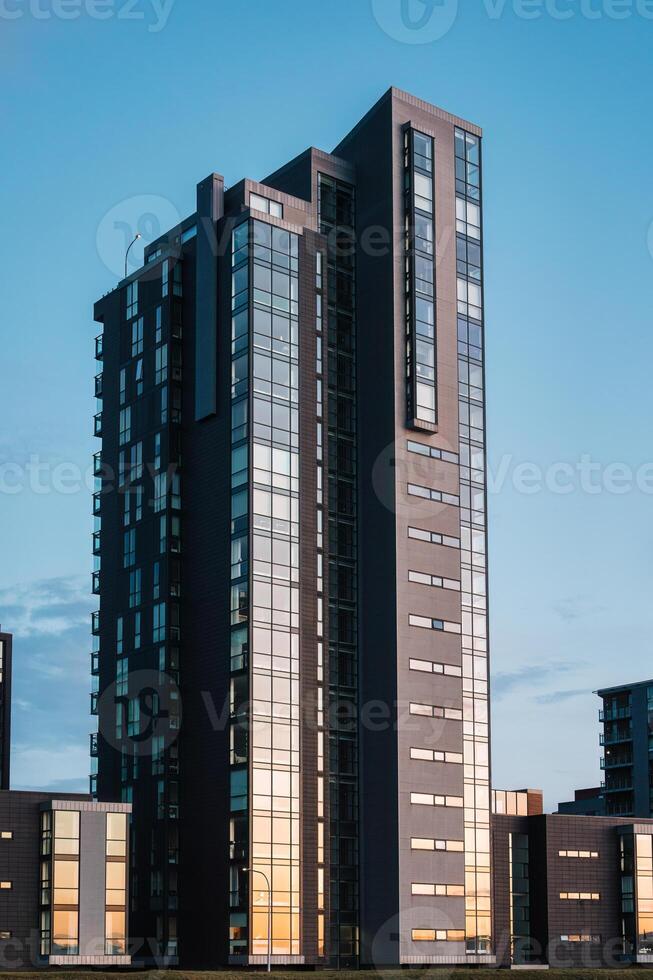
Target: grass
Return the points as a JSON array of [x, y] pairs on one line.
[[435, 973]]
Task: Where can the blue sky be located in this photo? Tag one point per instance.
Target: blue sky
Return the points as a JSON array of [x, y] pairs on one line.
[[111, 121]]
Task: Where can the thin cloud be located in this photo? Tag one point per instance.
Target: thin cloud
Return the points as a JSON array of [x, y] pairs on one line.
[[555, 697], [505, 682]]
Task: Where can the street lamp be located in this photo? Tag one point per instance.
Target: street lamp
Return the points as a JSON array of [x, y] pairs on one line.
[[138, 235], [255, 871]]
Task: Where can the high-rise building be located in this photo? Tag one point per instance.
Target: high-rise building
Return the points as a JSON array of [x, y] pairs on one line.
[[6, 641], [291, 647], [626, 738]]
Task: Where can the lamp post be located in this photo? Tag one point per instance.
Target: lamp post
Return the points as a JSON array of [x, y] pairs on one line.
[[138, 235], [255, 871]]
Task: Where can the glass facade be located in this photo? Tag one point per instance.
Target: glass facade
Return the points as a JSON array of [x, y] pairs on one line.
[[59, 888], [637, 893], [265, 591], [473, 535], [420, 278]]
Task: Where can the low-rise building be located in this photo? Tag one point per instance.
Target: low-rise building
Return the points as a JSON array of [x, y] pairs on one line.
[[571, 890], [64, 872]]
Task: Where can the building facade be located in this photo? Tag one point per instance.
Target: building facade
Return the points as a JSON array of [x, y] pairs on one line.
[[6, 652], [63, 881], [291, 648], [571, 891], [627, 717]]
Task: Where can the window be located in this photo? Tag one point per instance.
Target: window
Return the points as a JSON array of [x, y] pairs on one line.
[[5, 934], [138, 376], [428, 799], [161, 365], [451, 891], [430, 537], [433, 711], [434, 755], [6, 885], [137, 337], [580, 896], [437, 935], [423, 578], [429, 494], [129, 548], [578, 854], [125, 425], [116, 835], [580, 938], [158, 325], [159, 623], [165, 274], [421, 449], [429, 844], [6, 835], [423, 622], [135, 588], [132, 299], [429, 667], [263, 204]]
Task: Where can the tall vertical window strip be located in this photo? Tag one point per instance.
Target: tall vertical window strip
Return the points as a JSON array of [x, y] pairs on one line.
[[420, 279], [239, 924], [116, 884], [265, 775], [337, 223], [473, 535], [319, 409], [59, 890]]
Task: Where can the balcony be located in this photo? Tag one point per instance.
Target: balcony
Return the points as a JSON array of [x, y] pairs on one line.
[[98, 385], [618, 786], [98, 468], [97, 540], [99, 348], [95, 623], [615, 738], [94, 702], [95, 663], [615, 714], [97, 425], [95, 583], [616, 762], [97, 504], [93, 740]]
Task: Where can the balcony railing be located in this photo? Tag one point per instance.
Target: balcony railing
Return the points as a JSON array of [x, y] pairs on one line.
[[615, 714], [98, 385], [97, 424], [97, 504], [94, 702], [618, 786], [93, 740], [98, 468], [614, 763], [99, 348], [95, 663], [95, 623], [97, 537], [95, 583], [614, 738]]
